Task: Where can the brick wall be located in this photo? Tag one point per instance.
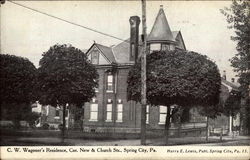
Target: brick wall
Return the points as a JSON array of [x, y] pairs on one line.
[[131, 109]]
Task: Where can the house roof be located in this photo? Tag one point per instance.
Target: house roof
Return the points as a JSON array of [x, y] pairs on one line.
[[234, 86], [179, 39], [121, 52], [161, 30], [107, 51], [175, 33]]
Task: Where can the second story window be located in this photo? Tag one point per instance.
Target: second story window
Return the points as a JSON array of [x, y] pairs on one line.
[[110, 83]]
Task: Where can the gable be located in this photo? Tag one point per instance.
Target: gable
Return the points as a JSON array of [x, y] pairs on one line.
[[96, 56], [180, 41]]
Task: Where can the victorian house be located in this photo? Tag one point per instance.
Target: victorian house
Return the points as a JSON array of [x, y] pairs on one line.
[[110, 110]]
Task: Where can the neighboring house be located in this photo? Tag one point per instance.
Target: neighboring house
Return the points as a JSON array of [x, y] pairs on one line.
[[227, 124], [51, 116], [110, 110]]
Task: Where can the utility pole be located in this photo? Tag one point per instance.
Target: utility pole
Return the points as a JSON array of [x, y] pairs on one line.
[[1, 3], [143, 75]]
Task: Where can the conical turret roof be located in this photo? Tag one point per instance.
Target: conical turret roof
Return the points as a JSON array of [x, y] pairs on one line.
[[161, 30]]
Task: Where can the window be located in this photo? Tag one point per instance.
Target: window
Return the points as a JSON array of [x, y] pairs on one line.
[[57, 113], [147, 114], [109, 111], [110, 83], [93, 112], [94, 58], [163, 114], [119, 111], [165, 47], [155, 47], [172, 47]]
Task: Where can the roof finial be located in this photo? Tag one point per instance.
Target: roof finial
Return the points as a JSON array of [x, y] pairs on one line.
[[161, 6]]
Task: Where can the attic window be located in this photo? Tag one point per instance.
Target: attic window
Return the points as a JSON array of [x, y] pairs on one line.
[[94, 57]]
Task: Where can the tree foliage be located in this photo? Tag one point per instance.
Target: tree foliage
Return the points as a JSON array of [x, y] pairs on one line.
[[17, 79], [16, 88], [238, 18], [232, 104], [65, 76], [177, 77]]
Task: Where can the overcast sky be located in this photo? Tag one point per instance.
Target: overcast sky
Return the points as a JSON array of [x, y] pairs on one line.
[[28, 34]]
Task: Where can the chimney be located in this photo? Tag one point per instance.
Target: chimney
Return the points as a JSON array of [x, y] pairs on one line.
[[224, 76], [134, 37]]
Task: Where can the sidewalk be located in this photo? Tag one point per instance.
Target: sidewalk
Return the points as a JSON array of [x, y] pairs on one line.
[[226, 140]]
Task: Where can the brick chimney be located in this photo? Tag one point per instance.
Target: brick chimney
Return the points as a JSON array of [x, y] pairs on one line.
[[134, 37]]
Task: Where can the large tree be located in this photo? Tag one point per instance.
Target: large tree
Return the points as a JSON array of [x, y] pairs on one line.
[[176, 78], [65, 77], [238, 18], [16, 87]]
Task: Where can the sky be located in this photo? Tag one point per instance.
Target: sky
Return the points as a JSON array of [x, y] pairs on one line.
[[29, 34]]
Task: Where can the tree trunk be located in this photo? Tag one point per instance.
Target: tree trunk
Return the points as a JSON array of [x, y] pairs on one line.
[[17, 124], [167, 124], [180, 114], [64, 124], [81, 121]]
